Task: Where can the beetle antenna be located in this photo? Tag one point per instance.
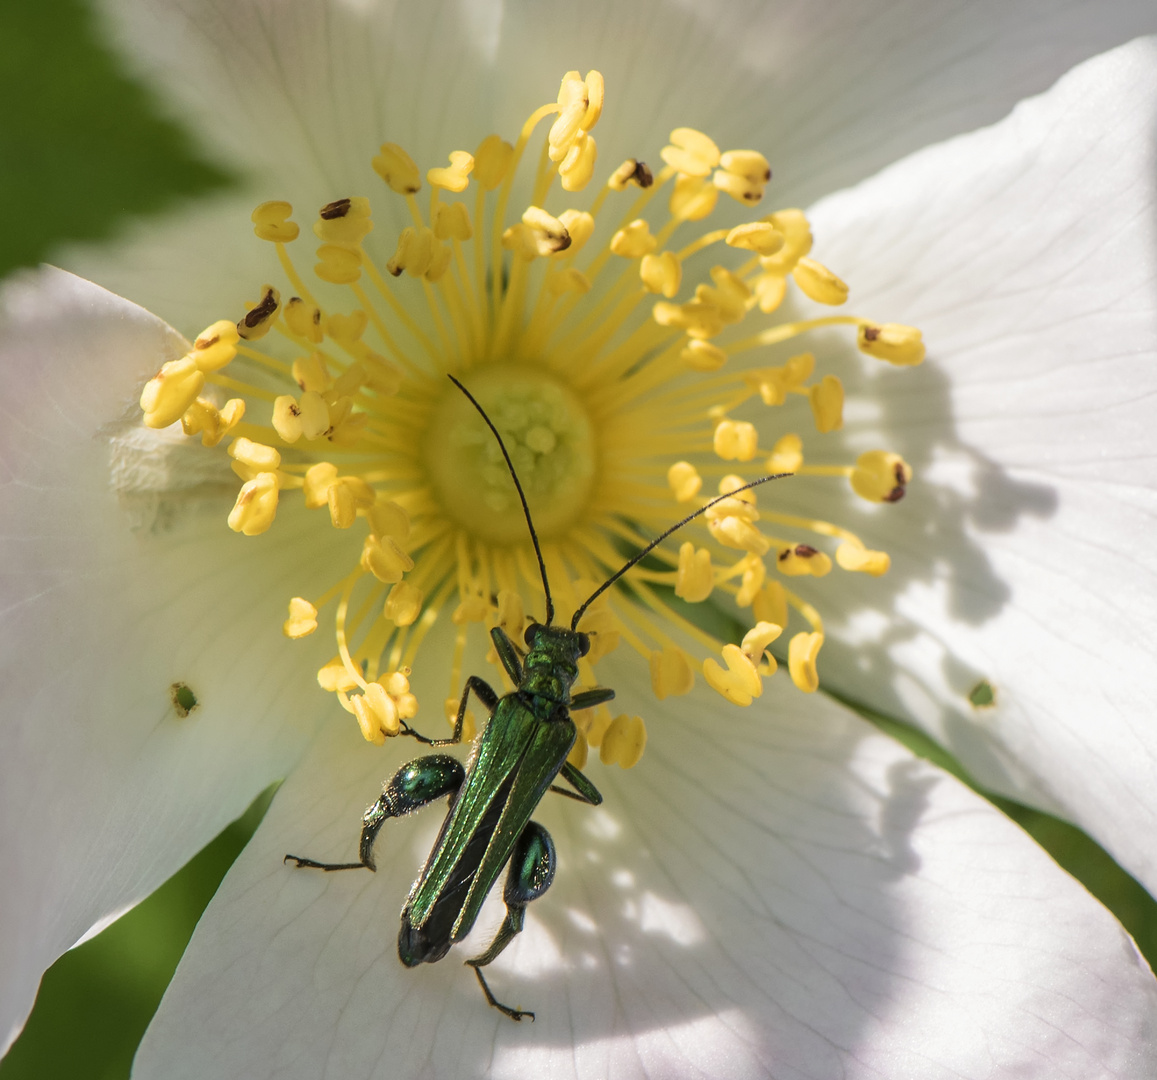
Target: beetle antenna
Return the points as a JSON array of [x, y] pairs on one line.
[[525, 509], [659, 539]]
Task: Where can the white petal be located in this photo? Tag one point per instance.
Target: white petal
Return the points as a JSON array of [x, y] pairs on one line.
[[835, 89], [296, 98], [1023, 553], [120, 578], [799, 899]]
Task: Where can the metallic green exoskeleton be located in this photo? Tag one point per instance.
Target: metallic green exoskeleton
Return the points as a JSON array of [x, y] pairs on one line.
[[521, 752]]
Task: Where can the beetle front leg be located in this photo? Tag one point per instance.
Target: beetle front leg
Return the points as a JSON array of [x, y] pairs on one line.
[[483, 691], [413, 786], [532, 865]]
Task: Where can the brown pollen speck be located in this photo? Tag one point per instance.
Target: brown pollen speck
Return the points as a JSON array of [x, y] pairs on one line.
[[336, 209]]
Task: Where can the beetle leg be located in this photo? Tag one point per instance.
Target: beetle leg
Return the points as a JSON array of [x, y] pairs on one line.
[[507, 653], [585, 792], [532, 865], [413, 786], [586, 699], [483, 691]]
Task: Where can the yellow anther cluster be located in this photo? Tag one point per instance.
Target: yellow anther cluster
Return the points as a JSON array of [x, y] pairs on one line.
[[623, 742], [646, 371], [454, 177], [571, 146], [537, 234], [381, 707], [397, 169], [802, 651], [802, 559], [271, 222], [739, 683], [902, 345], [695, 578], [302, 619], [634, 241], [880, 476], [172, 392], [631, 172]]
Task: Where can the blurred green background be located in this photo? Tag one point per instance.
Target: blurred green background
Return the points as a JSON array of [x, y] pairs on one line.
[[82, 149]]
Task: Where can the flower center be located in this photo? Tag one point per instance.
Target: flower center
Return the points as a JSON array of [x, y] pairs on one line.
[[551, 442], [627, 394]]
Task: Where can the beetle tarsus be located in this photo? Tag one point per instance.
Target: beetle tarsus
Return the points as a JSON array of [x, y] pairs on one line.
[[506, 1010]]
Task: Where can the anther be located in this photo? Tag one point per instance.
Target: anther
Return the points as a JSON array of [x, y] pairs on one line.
[[662, 273], [539, 233], [634, 241], [738, 532], [801, 660], [492, 161], [271, 222], [346, 328], [576, 169], [671, 673], [692, 198], [454, 177], [691, 153], [338, 264], [684, 481], [623, 741], [695, 578], [414, 253], [735, 440], [854, 557], [252, 458], [740, 683], [256, 505], [388, 518], [215, 346], [827, 402], [703, 356], [580, 226], [302, 619], [756, 641], [743, 174], [819, 283], [171, 391], [452, 222], [757, 236], [345, 221], [384, 558], [698, 319], [898, 344], [304, 320], [797, 234], [212, 424], [404, 604], [802, 560], [631, 172], [786, 455], [729, 295], [345, 497], [754, 575], [397, 169], [260, 318], [317, 482], [880, 476], [335, 677]]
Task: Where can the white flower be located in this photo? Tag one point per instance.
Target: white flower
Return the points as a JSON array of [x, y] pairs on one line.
[[792, 896]]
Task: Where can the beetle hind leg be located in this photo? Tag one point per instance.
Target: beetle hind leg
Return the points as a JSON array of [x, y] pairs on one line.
[[532, 866], [413, 786]]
